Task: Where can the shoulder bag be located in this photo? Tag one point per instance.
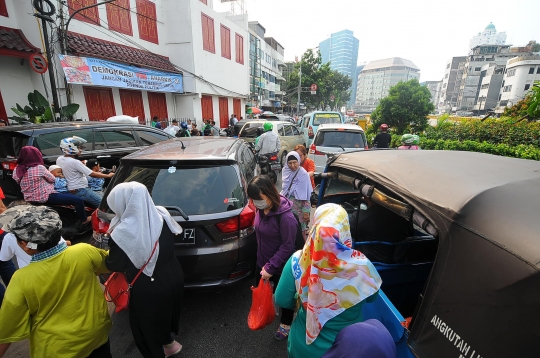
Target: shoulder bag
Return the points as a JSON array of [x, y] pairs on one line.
[[290, 185], [117, 288]]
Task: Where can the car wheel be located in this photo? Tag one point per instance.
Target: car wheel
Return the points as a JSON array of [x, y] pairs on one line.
[[283, 158]]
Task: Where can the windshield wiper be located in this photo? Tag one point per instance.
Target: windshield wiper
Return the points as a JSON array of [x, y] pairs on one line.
[[182, 213]]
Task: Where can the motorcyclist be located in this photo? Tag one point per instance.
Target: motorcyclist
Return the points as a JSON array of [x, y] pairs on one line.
[[269, 142], [409, 141], [184, 131], [383, 139], [76, 172]]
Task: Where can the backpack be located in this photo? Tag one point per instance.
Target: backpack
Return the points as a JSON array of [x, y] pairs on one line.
[[299, 239], [182, 133]]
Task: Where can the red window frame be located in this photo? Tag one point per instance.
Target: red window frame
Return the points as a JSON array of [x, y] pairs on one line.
[[157, 101], [104, 106], [239, 46], [119, 17], [90, 15], [3, 8], [147, 20], [208, 33], [207, 107], [225, 42], [224, 112], [132, 104], [237, 107]]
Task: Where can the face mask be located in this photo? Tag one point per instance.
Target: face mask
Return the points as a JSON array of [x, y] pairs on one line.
[[260, 204]]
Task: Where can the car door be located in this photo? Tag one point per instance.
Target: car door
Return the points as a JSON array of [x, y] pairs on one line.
[[149, 137], [111, 144], [49, 143]]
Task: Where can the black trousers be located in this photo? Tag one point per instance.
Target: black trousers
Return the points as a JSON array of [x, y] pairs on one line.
[[286, 314], [103, 351]]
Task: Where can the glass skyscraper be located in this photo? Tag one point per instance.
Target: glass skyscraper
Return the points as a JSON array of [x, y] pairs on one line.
[[341, 49]]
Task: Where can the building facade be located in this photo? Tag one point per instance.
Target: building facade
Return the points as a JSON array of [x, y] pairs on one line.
[[135, 57], [489, 36], [449, 91], [520, 74], [376, 79], [341, 50], [434, 88], [491, 77]]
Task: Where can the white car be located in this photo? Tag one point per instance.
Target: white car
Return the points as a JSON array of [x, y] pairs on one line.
[[335, 138]]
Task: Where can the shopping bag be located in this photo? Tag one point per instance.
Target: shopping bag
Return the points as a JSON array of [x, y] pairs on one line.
[[262, 311]]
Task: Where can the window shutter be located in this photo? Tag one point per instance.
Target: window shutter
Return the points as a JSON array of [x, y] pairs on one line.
[[3, 8], [239, 48], [208, 33], [147, 19], [118, 17], [88, 15], [225, 42]]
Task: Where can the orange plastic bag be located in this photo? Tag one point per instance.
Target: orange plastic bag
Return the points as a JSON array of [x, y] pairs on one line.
[[262, 311]]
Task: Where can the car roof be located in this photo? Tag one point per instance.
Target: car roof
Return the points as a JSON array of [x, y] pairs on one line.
[[329, 126], [29, 129], [196, 148]]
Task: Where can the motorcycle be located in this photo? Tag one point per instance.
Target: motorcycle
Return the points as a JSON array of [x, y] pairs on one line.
[[269, 164]]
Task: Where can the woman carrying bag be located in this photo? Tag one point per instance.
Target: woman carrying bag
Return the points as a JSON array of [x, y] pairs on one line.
[[142, 233], [275, 229], [297, 188]]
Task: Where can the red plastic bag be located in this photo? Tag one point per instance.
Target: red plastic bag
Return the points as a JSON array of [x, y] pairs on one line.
[[262, 311]]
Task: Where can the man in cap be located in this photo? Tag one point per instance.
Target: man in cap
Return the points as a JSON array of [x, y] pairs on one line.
[[56, 300]]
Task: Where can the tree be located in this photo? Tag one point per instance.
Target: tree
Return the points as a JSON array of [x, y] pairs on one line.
[[405, 108], [528, 107]]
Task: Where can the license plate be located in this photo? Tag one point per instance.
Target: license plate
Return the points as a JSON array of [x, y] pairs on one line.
[[276, 166], [188, 236]]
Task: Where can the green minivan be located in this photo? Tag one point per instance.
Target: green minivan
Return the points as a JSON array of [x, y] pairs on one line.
[[311, 122]]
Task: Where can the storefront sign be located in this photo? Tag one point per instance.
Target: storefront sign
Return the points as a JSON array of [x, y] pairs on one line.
[[97, 72]]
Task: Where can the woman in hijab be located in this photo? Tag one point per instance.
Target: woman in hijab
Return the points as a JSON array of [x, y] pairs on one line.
[[331, 280], [37, 183], [155, 298], [297, 188]]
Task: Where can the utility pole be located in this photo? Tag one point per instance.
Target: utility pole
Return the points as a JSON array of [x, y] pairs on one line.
[[63, 47], [299, 90]]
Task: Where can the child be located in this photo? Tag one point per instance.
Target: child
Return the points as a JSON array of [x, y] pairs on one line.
[[96, 184], [60, 183]]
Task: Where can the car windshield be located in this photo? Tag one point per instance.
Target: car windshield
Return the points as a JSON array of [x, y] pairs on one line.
[[326, 118], [11, 144], [250, 130], [344, 139], [197, 190]]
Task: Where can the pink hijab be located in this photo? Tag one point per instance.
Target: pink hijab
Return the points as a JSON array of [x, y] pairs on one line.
[[28, 157]]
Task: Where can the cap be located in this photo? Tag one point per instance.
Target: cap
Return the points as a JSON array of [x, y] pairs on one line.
[[91, 163], [54, 167], [34, 224]]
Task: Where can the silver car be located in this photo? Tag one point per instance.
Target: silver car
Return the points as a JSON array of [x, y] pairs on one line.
[[335, 138]]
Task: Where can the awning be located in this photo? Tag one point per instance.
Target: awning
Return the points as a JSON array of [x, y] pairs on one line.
[[83, 45], [14, 43]]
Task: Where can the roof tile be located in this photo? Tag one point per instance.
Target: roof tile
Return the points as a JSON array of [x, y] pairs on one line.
[[14, 39]]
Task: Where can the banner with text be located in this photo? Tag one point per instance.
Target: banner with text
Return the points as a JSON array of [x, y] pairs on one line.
[[97, 72]]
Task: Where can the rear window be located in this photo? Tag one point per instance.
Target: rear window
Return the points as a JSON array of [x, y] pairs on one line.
[[49, 143], [11, 144], [326, 118], [340, 139], [196, 190], [250, 130]]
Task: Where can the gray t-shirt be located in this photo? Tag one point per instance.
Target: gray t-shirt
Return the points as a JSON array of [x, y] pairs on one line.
[[74, 171]]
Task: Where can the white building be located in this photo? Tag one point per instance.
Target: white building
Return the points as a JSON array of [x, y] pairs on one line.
[[434, 88], [449, 91], [197, 73], [489, 36], [491, 77], [376, 78], [521, 73]]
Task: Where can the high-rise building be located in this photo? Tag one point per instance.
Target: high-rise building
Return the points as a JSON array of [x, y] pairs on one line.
[[434, 88], [520, 75], [488, 37], [341, 50], [376, 78], [449, 90]]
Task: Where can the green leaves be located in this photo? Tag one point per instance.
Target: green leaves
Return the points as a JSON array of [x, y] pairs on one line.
[[38, 110]]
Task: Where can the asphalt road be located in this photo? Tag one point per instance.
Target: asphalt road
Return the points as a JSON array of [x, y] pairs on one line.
[[212, 324]]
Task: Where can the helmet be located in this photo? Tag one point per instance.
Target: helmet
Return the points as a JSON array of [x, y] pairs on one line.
[[416, 139], [384, 127], [71, 145], [268, 126], [183, 125], [407, 139]]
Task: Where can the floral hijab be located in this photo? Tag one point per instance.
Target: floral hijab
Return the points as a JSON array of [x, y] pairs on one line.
[[330, 276]]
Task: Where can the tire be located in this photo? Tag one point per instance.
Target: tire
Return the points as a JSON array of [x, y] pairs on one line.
[[283, 158], [272, 174]]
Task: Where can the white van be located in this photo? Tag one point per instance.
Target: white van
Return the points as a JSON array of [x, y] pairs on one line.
[[311, 122]]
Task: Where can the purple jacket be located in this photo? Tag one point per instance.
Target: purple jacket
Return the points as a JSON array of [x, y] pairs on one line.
[[275, 244]]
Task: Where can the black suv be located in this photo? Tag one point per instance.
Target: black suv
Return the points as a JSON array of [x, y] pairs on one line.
[[202, 182], [106, 141]]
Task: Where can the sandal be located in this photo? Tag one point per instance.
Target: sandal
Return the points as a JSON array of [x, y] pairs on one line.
[[282, 332]]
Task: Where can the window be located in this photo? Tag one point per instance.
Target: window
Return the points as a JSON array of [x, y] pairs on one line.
[[281, 130], [295, 130], [239, 43], [343, 139], [531, 71], [527, 87], [119, 17], [208, 33], [288, 131], [507, 88], [99, 103], [225, 42], [88, 15], [478, 69], [3, 8], [114, 139], [503, 103], [146, 17], [446, 76], [538, 70], [151, 137], [48, 143], [511, 72]]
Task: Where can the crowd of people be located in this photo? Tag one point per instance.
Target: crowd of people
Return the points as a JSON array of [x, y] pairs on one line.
[[189, 128]]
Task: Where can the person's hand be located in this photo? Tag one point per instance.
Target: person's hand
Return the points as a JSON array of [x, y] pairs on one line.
[[265, 275], [110, 175]]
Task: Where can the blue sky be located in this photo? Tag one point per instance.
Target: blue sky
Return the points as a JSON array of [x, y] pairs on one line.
[[427, 32]]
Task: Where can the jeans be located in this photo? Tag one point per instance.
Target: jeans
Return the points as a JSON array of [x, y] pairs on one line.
[[89, 196], [68, 199]]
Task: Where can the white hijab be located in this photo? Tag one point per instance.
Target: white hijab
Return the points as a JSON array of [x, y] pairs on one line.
[[138, 223]]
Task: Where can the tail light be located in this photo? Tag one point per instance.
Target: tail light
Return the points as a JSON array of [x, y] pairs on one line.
[[366, 147], [244, 221], [274, 157], [98, 225], [9, 165], [310, 132], [313, 150]]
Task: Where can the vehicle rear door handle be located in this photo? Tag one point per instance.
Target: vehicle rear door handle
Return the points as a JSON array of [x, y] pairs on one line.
[[103, 156]]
